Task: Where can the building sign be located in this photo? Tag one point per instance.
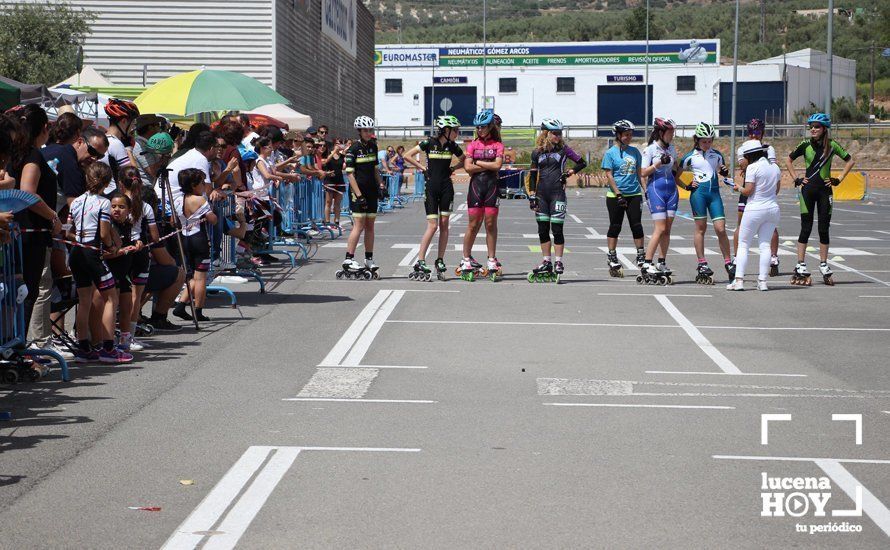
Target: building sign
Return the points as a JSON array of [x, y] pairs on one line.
[[450, 80], [621, 78], [406, 57], [338, 23], [663, 52]]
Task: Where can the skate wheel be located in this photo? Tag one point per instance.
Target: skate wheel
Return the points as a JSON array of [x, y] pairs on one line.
[[440, 275], [10, 376], [429, 277], [531, 277], [558, 279], [639, 279], [339, 274], [670, 280], [457, 271], [710, 280], [375, 276], [483, 272], [412, 276], [828, 281], [367, 275], [620, 273]]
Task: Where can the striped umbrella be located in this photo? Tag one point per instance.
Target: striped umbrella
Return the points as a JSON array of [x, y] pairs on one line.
[[206, 91]]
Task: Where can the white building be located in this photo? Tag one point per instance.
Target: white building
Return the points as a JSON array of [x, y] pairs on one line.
[[594, 83]]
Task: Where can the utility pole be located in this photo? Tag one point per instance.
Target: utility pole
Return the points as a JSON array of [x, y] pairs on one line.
[[646, 80], [830, 55], [735, 73], [484, 52], [871, 99]]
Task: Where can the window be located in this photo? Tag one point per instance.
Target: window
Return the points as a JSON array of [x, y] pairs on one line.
[[565, 84], [685, 83], [507, 85], [393, 85]]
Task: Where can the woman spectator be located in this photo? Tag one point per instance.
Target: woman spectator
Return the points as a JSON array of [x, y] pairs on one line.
[[232, 134], [264, 171], [33, 174], [398, 164], [334, 184]]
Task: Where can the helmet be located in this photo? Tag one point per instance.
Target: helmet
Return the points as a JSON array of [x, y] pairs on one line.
[[756, 127], [247, 154], [497, 120], [664, 124], [483, 118], [820, 118], [447, 121], [623, 126], [121, 108], [161, 143], [705, 130], [364, 122], [551, 124]]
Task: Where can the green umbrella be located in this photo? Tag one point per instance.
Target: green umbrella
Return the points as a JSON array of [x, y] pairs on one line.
[[206, 91]]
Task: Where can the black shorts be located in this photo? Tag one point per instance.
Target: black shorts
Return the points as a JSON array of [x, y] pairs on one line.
[[161, 277], [120, 268], [369, 211], [483, 193], [439, 199], [551, 205], [89, 269], [197, 252], [139, 267]]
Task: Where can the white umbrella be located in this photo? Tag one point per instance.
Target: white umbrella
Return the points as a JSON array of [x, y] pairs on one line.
[[294, 119]]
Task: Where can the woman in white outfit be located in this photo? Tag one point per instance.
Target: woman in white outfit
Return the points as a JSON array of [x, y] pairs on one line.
[[761, 185]]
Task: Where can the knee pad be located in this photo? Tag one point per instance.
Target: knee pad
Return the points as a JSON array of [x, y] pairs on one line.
[[637, 231], [544, 231], [558, 237]]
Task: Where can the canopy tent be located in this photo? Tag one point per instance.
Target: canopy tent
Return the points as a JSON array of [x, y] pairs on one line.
[[87, 77], [295, 120], [85, 104], [30, 93], [10, 96]]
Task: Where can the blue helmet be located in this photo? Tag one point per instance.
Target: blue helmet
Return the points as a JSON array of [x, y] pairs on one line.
[[483, 118], [821, 118], [247, 155]]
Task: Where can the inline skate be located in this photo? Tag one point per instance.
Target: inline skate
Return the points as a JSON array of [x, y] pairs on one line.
[[705, 275], [801, 275], [827, 274], [641, 257], [469, 269], [422, 272], [774, 266], [494, 270], [542, 274], [558, 269], [372, 268], [440, 269], [351, 269], [730, 270], [654, 274], [615, 269]]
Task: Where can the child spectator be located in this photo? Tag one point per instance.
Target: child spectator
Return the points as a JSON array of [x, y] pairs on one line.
[[195, 213], [120, 263], [144, 230]]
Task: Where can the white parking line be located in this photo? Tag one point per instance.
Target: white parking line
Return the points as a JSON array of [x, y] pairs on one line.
[[653, 294], [800, 459], [413, 250], [342, 347], [346, 400], [640, 406], [725, 373], [266, 473], [576, 218], [719, 359]]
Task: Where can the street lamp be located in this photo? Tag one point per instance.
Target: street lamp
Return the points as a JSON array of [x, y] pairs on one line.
[[735, 73]]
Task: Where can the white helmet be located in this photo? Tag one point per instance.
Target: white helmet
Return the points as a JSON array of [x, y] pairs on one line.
[[553, 124], [364, 122]]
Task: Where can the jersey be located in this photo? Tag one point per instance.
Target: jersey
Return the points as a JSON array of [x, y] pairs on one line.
[[486, 151], [361, 161], [664, 174], [765, 177], [547, 168], [818, 169], [439, 156], [624, 165], [704, 166], [86, 214]]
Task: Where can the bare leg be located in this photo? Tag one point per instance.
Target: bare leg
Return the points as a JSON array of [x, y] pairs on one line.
[[491, 234], [431, 226], [358, 226], [698, 239], [722, 238], [444, 228], [369, 234], [472, 230], [658, 228]]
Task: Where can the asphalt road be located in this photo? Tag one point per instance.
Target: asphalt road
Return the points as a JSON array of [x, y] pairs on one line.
[[392, 413]]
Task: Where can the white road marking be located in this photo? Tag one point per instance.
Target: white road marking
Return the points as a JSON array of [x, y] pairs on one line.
[[719, 359], [862, 238], [870, 504], [337, 400], [839, 250], [800, 459], [528, 323], [342, 382], [594, 234], [690, 251], [372, 367], [252, 500], [848, 269], [413, 250], [462, 206], [640, 406], [584, 386], [576, 218], [818, 329], [342, 347], [456, 217], [621, 256], [854, 211], [363, 343], [207, 514], [726, 373], [653, 294], [765, 419]]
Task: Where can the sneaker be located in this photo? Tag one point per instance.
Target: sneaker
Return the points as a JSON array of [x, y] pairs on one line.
[[738, 284], [201, 317], [129, 344], [81, 356], [115, 356], [56, 345], [268, 258], [180, 312], [761, 285], [257, 261], [164, 325]]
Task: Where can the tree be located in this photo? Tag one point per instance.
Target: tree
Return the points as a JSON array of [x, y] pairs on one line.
[[635, 25], [39, 43]]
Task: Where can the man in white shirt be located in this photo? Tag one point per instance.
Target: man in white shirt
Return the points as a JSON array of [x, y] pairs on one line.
[[199, 158]]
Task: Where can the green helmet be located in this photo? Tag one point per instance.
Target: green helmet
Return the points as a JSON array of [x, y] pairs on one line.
[[447, 121], [705, 130], [160, 143]]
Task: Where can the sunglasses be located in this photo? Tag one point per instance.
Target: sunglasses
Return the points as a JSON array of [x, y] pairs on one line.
[[93, 152], [482, 127], [556, 132], [322, 131], [811, 126]]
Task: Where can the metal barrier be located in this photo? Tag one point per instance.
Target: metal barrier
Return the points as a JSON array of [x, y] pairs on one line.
[[419, 186], [394, 197], [223, 251], [13, 337], [514, 183]]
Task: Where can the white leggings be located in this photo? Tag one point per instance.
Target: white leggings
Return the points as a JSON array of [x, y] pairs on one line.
[[763, 223]]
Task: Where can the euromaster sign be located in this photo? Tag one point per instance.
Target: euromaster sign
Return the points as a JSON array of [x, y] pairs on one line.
[[664, 52]]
